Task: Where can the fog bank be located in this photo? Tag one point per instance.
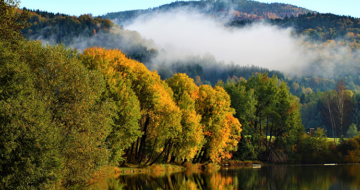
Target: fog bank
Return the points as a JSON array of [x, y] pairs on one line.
[[182, 33]]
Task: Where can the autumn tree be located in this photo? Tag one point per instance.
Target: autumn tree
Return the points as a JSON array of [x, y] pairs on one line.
[[125, 126], [160, 116], [72, 95], [191, 137], [221, 129], [29, 149]]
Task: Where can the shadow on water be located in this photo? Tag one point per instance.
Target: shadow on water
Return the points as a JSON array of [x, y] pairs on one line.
[[303, 177]]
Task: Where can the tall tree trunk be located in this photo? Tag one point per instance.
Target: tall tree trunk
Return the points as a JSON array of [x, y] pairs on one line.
[[152, 152], [173, 158], [184, 162], [166, 157], [131, 152], [203, 156], [166, 145], [267, 126], [271, 131], [196, 158], [137, 149], [143, 140], [260, 132]]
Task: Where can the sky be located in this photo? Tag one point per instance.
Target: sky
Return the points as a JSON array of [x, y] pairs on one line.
[[101, 7]]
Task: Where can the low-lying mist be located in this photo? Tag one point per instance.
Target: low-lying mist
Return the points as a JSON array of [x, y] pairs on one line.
[[129, 42], [185, 33]]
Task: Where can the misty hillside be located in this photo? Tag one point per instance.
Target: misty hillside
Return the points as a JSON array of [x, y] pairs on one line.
[[318, 27], [85, 31], [234, 9], [311, 52], [335, 39]]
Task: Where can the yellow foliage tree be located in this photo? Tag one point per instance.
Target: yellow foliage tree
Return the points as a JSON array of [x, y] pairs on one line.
[[221, 129], [160, 116], [191, 138], [125, 128]]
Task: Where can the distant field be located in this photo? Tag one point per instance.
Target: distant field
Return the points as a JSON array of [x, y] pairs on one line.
[[336, 139], [328, 139]]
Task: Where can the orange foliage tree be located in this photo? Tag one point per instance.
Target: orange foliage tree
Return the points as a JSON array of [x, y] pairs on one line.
[[191, 138], [221, 129], [159, 115]]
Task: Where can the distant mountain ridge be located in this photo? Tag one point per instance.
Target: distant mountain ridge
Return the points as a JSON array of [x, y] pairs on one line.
[[234, 9], [318, 27], [321, 31]]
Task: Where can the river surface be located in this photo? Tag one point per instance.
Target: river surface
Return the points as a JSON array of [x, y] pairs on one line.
[[317, 177]]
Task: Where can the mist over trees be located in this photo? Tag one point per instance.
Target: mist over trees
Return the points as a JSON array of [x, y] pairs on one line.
[[65, 114], [234, 9], [86, 31]]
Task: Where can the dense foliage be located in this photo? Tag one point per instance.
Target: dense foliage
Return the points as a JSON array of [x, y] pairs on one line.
[[206, 70], [236, 9], [65, 115], [270, 117], [84, 31], [323, 27], [327, 34], [318, 27]]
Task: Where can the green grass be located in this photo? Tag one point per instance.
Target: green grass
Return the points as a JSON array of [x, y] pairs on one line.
[[337, 140]]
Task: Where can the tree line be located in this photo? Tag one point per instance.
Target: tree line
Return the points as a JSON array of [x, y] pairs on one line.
[[235, 9], [65, 115], [318, 27]]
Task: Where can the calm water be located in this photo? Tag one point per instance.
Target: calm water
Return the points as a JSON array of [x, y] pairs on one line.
[[317, 177]]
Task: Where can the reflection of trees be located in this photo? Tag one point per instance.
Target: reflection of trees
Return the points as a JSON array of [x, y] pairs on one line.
[[276, 177]]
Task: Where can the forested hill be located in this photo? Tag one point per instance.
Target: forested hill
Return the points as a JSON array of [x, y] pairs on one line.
[[324, 29], [318, 27], [236, 9], [61, 27], [83, 32], [86, 31]]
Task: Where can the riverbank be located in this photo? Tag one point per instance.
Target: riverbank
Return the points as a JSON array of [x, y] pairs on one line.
[[105, 177], [277, 176]]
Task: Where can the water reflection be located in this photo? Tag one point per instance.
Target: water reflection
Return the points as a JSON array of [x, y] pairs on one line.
[[345, 177]]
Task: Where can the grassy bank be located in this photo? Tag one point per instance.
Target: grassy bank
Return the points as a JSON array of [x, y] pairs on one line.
[[156, 168], [237, 163], [107, 177]]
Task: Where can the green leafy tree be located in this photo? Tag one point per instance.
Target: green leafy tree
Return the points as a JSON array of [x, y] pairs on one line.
[[243, 102], [125, 128], [29, 143], [72, 95], [352, 131], [191, 137], [266, 108]]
